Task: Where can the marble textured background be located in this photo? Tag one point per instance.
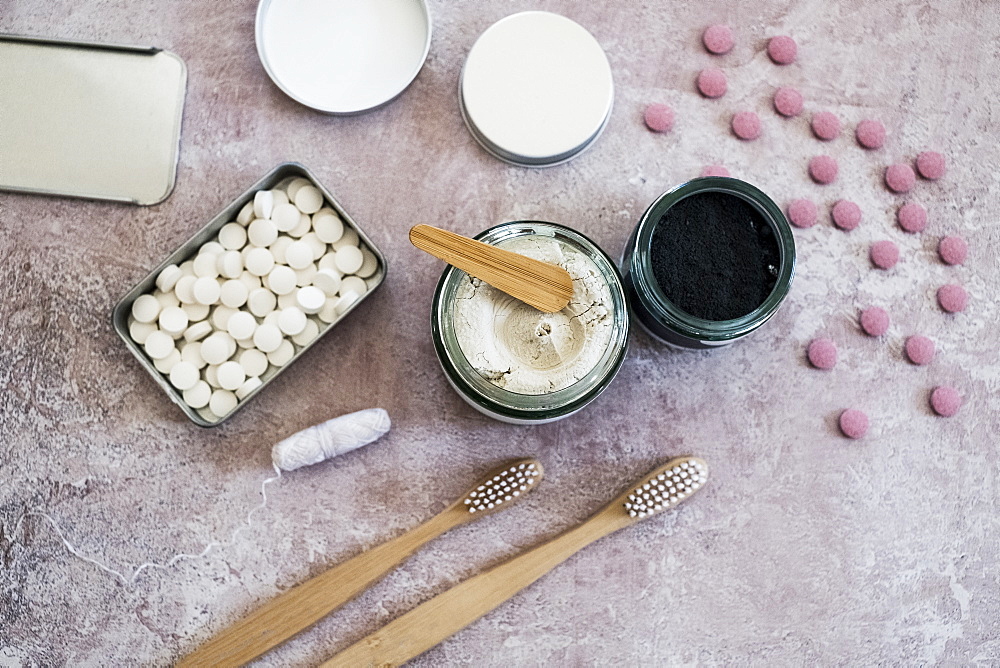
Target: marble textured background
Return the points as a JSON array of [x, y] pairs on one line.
[[805, 546]]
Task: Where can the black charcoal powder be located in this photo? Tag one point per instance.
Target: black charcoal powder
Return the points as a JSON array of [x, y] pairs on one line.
[[715, 256]]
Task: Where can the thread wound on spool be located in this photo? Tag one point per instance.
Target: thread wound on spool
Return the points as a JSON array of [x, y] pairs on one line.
[[330, 439]]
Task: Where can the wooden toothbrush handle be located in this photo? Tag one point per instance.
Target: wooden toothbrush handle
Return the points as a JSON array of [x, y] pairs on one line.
[[304, 605], [432, 621]]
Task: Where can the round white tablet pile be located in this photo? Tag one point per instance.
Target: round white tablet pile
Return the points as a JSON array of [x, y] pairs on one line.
[[184, 375], [286, 217], [262, 232], [197, 331], [158, 345], [230, 263], [327, 225], [327, 280], [292, 321], [233, 293], [248, 301], [309, 199], [206, 265], [198, 396], [349, 259], [298, 254], [206, 290], [222, 402], [140, 330], [168, 277], [166, 363], [247, 387], [310, 299], [215, 349], [267, 338], [241, 325], [173, 320], [145, 308], [230, 375], [232, 236], [283, 354]]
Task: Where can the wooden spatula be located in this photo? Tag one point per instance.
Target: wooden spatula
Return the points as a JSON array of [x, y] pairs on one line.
[[543, 285]]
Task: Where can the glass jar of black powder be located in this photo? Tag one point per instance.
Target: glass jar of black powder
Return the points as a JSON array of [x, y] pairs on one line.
[[709, 262]]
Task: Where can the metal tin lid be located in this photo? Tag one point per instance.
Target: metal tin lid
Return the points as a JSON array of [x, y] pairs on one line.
[[343, 56], [536, 89], [89, 120]]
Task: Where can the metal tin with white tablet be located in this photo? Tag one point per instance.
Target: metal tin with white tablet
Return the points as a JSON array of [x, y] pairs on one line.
[[343, 57], [536, 89], [189, 249]]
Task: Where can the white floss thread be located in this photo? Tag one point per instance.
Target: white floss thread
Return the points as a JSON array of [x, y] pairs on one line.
[[309, 446], [129, 582], [330, 439]]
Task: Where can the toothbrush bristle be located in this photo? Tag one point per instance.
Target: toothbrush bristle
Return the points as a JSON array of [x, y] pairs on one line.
[[666, 488], [502, 487]]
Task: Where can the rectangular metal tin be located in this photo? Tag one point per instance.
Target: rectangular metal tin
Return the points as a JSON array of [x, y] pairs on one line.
[[207, 233], [82, 119]]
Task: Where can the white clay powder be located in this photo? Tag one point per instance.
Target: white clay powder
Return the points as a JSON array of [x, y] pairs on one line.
[[523, 350]]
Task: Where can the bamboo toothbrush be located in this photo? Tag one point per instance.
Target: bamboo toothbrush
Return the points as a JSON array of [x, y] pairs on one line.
[[544, 285], [307, 603], [431, 622]]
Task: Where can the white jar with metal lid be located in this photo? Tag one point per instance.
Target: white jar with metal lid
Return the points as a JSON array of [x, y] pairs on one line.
[[536, 89]]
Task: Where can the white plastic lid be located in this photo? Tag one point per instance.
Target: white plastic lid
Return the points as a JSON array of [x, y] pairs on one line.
[[343, 56], [536, 89]]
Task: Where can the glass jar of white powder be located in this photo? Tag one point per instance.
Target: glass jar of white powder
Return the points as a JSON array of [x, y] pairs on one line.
[[518, 364]]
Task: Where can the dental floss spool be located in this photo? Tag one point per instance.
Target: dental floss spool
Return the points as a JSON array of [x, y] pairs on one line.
[[330, 439], [312, 445]]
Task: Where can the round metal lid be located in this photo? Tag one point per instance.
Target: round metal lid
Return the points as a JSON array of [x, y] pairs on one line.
[[536, 89], [343, 56]]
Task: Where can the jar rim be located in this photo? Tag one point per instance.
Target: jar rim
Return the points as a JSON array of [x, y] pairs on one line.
[[655, 301], [492, 399]]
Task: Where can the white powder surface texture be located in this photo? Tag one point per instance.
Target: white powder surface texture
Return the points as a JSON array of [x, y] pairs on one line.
[[524, 350]]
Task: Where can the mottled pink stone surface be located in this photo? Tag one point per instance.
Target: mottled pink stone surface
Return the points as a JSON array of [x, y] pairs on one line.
[[804, 547]]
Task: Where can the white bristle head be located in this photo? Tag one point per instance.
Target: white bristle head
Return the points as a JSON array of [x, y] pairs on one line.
[[502, 487], [666, 489]]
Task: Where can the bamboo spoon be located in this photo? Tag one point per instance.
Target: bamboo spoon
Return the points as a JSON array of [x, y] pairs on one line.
[[544, 285], [431, 622], [307, 603]]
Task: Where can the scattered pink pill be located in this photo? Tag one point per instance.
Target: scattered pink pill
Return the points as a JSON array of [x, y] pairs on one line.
[[715, 170], [825, 125], [802, 213], [870, 133], [846, 215], [930, 164], [659, 117], [853, 423], [912, 217], [919, 349], [718, 39], [712, 82], [823, 169], [884, 254], [900, 178], [782, 49], [945, 400], [875, 321], [822, 353], [788, 101], [746, 125], [952, 298], [953, 250]]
